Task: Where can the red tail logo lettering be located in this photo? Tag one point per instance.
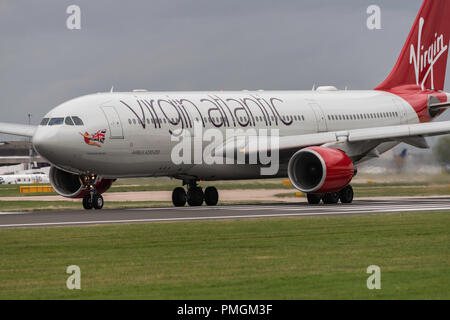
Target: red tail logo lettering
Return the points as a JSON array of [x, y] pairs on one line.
[[423, 59]]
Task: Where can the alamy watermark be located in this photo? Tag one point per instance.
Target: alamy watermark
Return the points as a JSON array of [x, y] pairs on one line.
[[374, 281], [374, 18], [74, 280], [234, 146], [73, 21]]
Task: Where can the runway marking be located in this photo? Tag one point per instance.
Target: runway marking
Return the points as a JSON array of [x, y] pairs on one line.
[[9, 213], [254, 208], [215, 217], [291, 208]]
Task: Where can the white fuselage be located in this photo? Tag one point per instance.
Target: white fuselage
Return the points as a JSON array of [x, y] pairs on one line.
[[139, 125]]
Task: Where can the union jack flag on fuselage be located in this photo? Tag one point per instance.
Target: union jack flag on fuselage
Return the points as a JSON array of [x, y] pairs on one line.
[[92, 139], [99, 136]]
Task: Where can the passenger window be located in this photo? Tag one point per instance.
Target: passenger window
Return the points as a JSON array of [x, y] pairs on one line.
[[44, 121], [77, 121], [69, 121], [56, 121]]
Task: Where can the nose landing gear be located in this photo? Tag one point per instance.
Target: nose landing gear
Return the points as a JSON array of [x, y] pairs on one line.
[[194, 195], [92, 200]]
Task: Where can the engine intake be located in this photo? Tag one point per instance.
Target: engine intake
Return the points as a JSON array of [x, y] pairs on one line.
[[320, 170], [70, 185]]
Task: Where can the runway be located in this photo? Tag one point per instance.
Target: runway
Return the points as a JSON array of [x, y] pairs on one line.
[[171, 214]]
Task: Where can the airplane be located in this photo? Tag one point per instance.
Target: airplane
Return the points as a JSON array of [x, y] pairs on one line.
[[322, 135], [24, 178]]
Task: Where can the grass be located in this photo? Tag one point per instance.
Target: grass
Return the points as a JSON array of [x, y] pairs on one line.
[[25, 205], [292, 258], [73, 205], [159, 184]]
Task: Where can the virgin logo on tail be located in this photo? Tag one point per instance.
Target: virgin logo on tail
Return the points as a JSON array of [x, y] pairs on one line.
[[426, 58]]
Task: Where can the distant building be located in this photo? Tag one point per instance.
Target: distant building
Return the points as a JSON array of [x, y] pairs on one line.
[[15, 148], [18, 152]]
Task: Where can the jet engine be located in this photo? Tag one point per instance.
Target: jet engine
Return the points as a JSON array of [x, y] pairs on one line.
[[320, 170], [72, 186]]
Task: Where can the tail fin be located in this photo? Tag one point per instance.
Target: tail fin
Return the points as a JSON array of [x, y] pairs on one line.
[[423, 60]]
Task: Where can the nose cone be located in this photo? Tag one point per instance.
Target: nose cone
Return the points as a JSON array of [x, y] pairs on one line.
[[57, 146], [45, 143]]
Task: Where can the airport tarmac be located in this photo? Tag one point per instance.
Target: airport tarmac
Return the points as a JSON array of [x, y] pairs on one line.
[[171, 214]]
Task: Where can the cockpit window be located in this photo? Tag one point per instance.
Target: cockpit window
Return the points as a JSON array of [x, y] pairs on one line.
[[68, 121], [44, 121], [56, 121], [77, 121]]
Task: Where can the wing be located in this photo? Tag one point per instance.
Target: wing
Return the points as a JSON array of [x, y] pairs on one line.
[[357, 143], [17, 129]]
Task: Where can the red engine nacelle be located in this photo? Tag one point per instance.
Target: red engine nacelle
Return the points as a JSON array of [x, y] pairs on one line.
[[320, 170], [70, 185]]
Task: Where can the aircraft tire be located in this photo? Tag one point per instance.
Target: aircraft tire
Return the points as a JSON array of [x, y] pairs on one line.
[[211, 196], [314, 198], [98, 202], [195, 196], [331, 198], [346, 194], [179, 197], [87, 202]]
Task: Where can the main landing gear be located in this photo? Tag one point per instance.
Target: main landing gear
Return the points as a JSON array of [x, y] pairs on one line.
[[91, 200], [194, 196], [345, 196]]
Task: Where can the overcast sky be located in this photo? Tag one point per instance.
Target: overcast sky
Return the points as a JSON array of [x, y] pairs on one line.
[[191, 45]]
